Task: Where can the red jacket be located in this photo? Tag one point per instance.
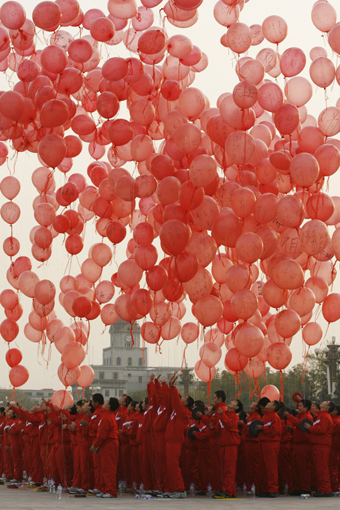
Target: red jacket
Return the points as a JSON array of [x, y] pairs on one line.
[[321, 430], [120, 416], [161, 402], [139, 437], [251, 416], [227, 425], [286, 435], [202, 437], [336, 432], [299, 437], [107, 429], [271, 430], [175, 429], [93, 424], [214, 433], [130, 432]]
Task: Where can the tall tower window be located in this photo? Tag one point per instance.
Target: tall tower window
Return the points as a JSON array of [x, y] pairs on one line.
[[140, 362], [129, 362], [119, 362]]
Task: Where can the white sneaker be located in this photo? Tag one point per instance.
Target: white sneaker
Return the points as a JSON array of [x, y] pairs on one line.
[[178, 495], [99, 494], [94, 491], [107, 496]]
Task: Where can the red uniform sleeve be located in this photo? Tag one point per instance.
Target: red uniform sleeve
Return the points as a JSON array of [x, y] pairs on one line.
[[321, 427], [102, 432], [203, 434], [274, 429], [16, 428], [229, 422], [151, 393], [176, 404], [157, 397], [293, 420], [166, 398]]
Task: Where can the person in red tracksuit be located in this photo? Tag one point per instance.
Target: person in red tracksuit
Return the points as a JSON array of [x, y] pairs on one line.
[[252, 448], [302, 449], [321, 438], [148, 472], [120, 415], [210, 419], [270, 437], [106, 446], [63, 454], [160, 415], [139, 442], [125, 443], [86, 457], [2, 423], [228, 432], [335, 450], [15, 427], [129, 430], [189, 460], [76, 428], [202, 450], [285, 457], [174, 437], [97, 403], [36, 418], [8, 468]]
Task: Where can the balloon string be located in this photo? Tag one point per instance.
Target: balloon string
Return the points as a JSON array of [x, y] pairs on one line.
[[131, 333], [77, 390], [281, 386], [305, 364]]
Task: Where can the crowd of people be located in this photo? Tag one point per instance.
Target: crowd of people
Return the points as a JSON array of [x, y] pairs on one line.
[[168, 444]]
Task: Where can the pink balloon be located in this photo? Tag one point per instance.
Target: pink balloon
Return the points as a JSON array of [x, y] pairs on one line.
[[73, 355], [27, 282], [203, 372], [249, 340], [234, 361], [18, 375], [68, 376], [331, 307], [312, 333], [86, 376], [62, 399], [210, 354], [189, 332], [270, 392]]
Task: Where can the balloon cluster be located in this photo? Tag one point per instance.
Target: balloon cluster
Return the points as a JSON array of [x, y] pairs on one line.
[[232, 195]]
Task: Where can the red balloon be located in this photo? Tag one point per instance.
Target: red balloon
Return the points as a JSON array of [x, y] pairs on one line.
[[18, 376], [13, 357]]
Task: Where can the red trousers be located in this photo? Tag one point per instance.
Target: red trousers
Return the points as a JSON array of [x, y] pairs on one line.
[[65, 464], [229, 456], [52, 464], [108, 459], [44, 457], [204, 467], [302, 458], [135, 471], [148, 471], [36, 464], [86, 466], [190, 468], [16, 451], [252, 456], [8, 462], [217, 462], [125, 455], [285, 466], [320, 455], [270, 456], [160, 465], [97, 473], [333, 468], [173, 460], [2, 465], [76, 467], [241, 475]]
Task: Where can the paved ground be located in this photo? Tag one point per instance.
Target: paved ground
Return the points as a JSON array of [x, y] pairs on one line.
[[28, 499]]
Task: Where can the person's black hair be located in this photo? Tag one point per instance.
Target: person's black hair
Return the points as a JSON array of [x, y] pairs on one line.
[[133, 403], [92, 409], [80, 403], [128, 400], [294, 412], [98, 398], [337, 409], [306, 403], [242, 415], [277, 406], [317, 405], [113, 403], [190, 402], [199, 403], [331, 407], [221, 394], [239, 406], [73, 410], [2, 409], [14, 416], [263, 402], [146, 400], [140, 410]]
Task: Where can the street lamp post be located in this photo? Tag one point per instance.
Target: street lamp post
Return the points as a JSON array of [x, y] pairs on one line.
[[332, 353], [186, 379]]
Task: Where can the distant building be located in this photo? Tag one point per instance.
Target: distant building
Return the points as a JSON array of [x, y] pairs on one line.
[[125, 369], [37, 395]]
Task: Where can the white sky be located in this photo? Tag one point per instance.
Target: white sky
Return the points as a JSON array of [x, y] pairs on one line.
[[218, 78]]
